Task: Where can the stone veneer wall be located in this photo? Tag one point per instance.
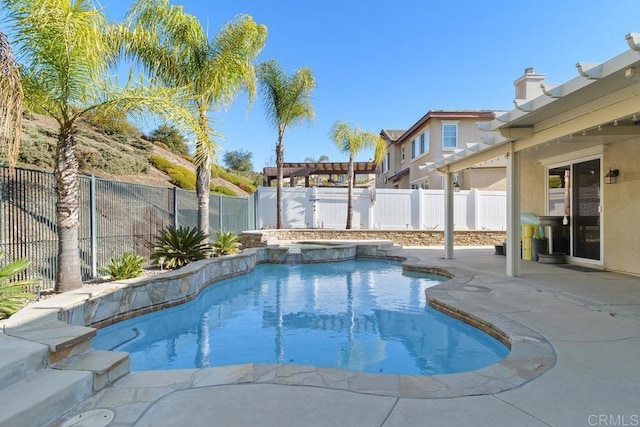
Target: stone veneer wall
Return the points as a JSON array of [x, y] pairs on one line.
[[107, 303], [251, 239]]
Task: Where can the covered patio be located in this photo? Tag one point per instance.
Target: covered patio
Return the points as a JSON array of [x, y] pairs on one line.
[[581, 138]]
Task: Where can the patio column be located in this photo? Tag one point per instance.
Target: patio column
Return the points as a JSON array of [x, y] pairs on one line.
[[448, 215], [514, 260]]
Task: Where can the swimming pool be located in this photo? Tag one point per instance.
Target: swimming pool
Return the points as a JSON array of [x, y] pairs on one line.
[[359, 315]]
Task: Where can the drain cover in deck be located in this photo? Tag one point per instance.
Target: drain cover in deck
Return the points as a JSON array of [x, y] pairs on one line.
[[95, 418]]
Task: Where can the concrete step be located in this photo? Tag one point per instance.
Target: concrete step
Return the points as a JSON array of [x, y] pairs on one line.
[[40, 398], [19, 359], [107, 366], [64, 340]]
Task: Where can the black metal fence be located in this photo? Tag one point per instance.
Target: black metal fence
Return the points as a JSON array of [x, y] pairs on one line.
[[115, 217]]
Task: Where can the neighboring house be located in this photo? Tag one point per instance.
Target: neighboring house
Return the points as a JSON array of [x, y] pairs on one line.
[[436, 134], [572, 153]]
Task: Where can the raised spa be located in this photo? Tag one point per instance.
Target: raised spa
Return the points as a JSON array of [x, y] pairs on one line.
[[360, 315]]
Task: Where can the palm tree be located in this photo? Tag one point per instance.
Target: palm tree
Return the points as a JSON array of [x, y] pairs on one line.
[[287, 102], [11, 96], [173, 46], [352, 140], [67, 47]]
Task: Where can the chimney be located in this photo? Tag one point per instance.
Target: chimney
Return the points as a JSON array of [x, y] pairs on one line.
[[528, 86]]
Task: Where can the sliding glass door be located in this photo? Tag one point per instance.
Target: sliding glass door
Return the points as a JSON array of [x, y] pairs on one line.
[[586, 209], [574, 193]]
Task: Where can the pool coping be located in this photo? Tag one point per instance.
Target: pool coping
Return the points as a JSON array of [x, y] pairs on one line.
[[530, 354]]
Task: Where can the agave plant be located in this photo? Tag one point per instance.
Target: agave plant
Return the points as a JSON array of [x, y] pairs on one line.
[[226, 243], [177, 247], [12, 293], [128, 266]]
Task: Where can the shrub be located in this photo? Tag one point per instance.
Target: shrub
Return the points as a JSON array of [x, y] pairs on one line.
[[183, 177], [128, 266], [114, 123], [178, 247], [180, 180], [171, 138], [12, 293], [226, 243], [223, 190], [241, 181]]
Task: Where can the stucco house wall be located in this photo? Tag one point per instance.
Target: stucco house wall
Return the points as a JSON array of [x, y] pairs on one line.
[[493, 179], [621, 219], [532, 187]]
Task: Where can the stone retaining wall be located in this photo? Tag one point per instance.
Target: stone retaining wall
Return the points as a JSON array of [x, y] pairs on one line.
[[251, 239]]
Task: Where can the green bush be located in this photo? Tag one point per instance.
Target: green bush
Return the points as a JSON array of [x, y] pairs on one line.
[[174, 248], [12, 293], [226, 243], [241, 181], [223, 190], [180, 180], [183, 177], [160, 163], [128, 266]]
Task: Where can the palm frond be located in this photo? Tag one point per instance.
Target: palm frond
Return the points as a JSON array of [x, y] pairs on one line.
[[287, 100], [62, 47], [351, 140], [231, 69], [173, 46]]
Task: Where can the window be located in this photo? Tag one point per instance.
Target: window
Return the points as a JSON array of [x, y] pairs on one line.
[[424, 184], [414, 154], [449, 136], [385, 164], [402, 155], [424, 142]]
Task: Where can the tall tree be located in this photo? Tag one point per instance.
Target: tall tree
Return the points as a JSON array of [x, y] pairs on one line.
[[66, 47], [171, 137], [239, 160], [287, 102], [173, 46], [11, 97], [352, 140]]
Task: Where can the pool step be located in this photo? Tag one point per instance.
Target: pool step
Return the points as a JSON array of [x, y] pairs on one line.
[[40, 398], [49, 367], [106, 366], [64, 340], [19, 359]]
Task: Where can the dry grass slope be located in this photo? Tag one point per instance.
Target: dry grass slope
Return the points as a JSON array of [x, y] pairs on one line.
[[116, 157]]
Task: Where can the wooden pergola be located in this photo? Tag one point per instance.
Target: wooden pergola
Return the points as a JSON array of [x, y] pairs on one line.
[[293, 170]]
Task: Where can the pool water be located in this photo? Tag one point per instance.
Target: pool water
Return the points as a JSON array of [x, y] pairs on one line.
[[359, 315]]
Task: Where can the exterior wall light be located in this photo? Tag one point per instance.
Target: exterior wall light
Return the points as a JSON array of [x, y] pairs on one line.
[[456, 186], [611, 176]]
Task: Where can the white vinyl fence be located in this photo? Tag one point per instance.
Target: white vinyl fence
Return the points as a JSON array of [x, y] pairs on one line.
[[385, 209]]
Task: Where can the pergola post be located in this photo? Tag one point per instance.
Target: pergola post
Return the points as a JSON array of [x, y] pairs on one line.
[[448, 215], [514, 261]]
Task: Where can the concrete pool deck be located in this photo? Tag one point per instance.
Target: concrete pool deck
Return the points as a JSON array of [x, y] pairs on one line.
[[592, 319]]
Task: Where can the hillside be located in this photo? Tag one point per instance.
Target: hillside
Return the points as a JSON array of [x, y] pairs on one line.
[[113, 156]]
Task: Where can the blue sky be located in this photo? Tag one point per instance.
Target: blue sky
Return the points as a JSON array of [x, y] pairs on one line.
[[381, 64]]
